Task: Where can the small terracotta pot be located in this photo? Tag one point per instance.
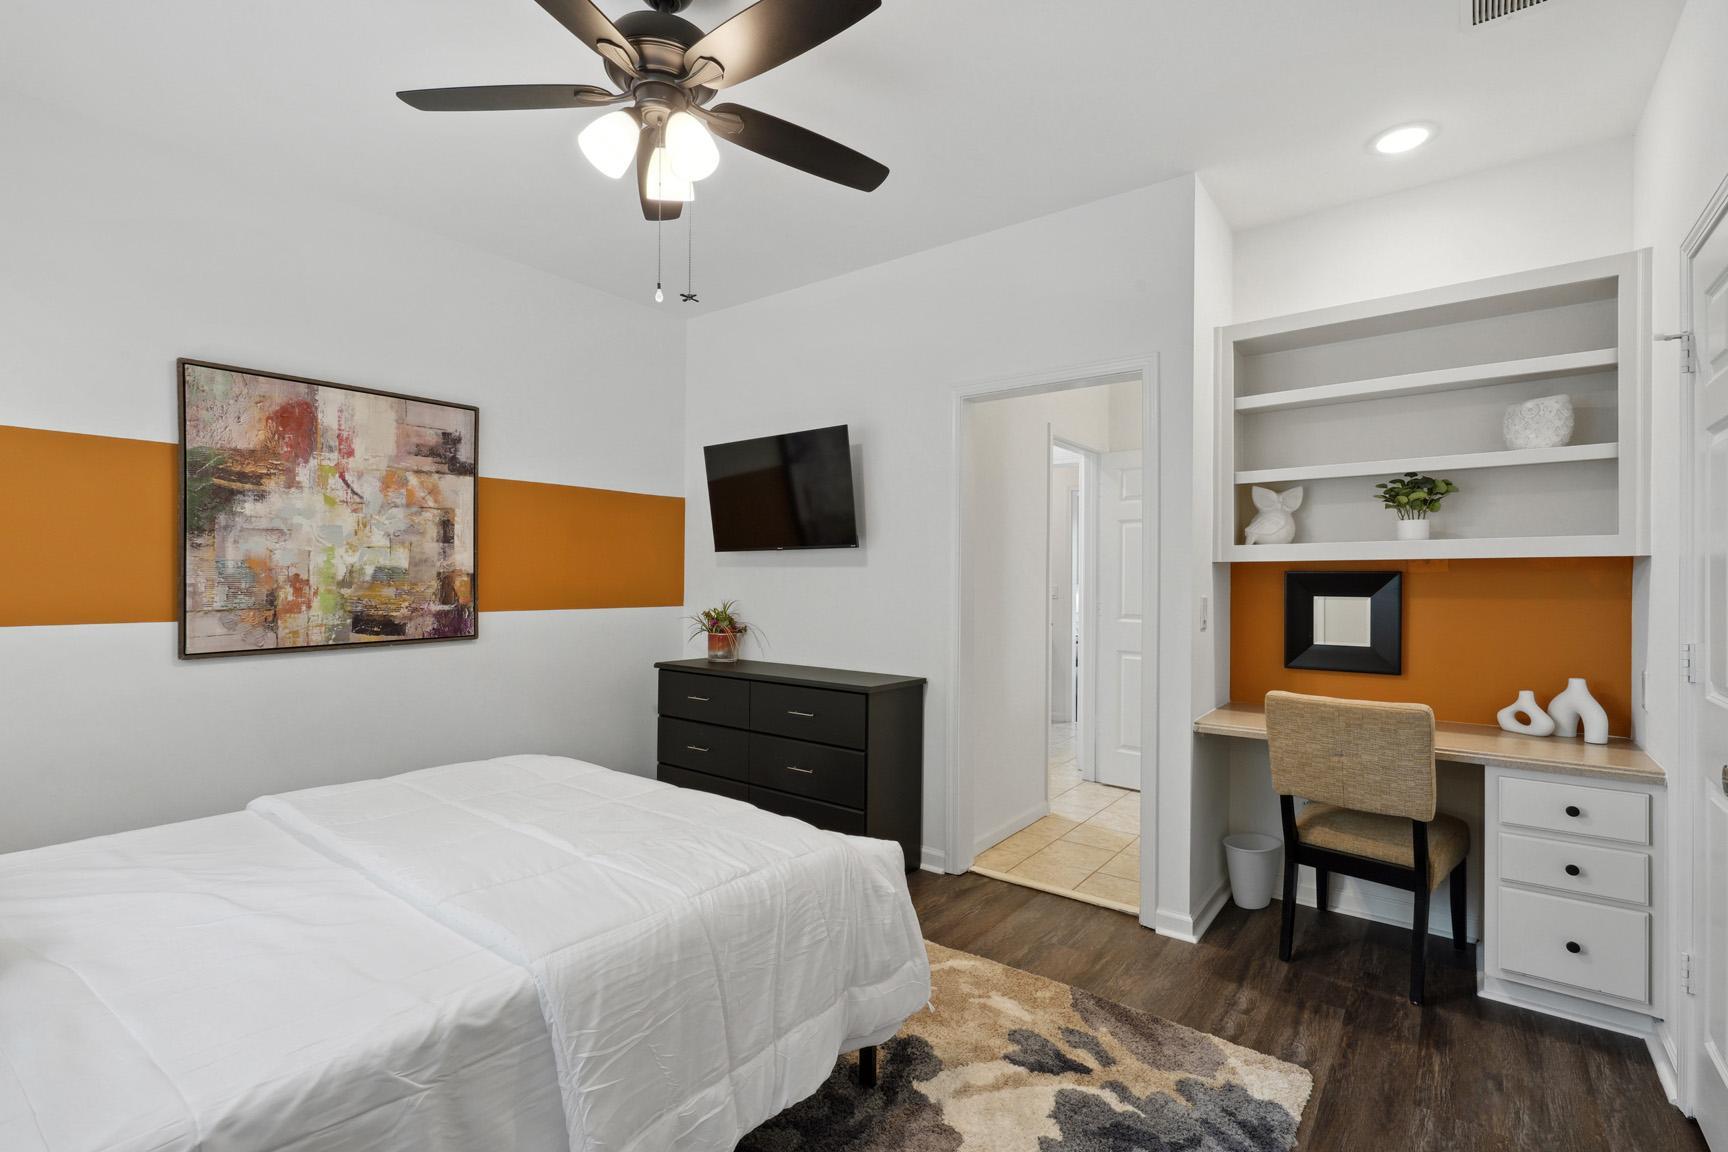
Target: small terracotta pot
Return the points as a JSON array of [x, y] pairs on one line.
[[722, 647]]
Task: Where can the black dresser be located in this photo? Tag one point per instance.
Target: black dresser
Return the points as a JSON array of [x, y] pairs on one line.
[[841, 750]]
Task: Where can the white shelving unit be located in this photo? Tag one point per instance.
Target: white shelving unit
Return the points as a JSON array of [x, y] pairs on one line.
[[1337, 399]]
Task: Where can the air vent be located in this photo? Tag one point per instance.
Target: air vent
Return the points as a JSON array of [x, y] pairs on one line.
[[1480, 12]]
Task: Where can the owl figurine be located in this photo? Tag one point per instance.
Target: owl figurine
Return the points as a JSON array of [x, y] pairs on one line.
[[1276, 521]]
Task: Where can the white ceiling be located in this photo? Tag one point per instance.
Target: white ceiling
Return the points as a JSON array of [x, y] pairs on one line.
[[987, 113]]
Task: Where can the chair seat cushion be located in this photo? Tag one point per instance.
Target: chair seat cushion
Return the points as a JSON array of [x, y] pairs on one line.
[[1383, 838]]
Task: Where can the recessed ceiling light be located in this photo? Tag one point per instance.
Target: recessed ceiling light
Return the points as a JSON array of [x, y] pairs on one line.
[[1405, 138]]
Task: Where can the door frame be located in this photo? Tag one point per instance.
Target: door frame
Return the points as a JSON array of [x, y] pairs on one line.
[[1689, 895], [958, 850], [1085, 715]]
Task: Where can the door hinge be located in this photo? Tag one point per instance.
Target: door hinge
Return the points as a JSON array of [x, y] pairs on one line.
[[1686, 973], [1688, 350], [1689, 663]]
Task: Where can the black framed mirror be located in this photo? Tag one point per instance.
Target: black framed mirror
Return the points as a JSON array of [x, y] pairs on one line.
[[1344, 621]]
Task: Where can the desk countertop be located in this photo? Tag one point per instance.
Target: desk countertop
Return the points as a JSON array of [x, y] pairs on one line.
[[1478, 743]]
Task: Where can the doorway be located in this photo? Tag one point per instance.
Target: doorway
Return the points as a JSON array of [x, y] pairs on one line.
[[1050, 641]]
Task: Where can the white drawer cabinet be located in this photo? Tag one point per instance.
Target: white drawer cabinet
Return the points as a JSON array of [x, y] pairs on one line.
[[1576, 809], [1589, 946], [1580, 869], [1573, 895]]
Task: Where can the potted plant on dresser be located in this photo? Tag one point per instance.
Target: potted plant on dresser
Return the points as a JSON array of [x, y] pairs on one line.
[[1413, 496], [724, 628]]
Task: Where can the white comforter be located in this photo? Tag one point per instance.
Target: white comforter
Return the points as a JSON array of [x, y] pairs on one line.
[[699, 962], [215, 986]]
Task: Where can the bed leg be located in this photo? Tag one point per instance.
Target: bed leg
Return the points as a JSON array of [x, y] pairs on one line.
[[867, 1067]]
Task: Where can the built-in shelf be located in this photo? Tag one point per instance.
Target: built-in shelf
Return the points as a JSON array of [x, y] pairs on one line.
[[1456, 462], [1423, 383], [1441, 380], [1431, 549]]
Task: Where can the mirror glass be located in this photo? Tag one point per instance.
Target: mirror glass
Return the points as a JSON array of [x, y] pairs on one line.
[[1342, 621]]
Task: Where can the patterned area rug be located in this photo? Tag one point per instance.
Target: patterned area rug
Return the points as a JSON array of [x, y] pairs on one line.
[[1009, 1061]]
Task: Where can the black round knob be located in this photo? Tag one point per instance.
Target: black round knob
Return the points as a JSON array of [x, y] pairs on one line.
[[1572, 869], [1574, 947], [1572, 810]]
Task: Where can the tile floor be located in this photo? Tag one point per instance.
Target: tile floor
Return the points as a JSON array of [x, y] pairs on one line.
[[1088, 848]]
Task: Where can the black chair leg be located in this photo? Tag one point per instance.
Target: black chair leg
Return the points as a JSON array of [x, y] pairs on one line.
[[867, 1067], [1418, 943], [1320, 878], [1287, 923], [1460, 897]]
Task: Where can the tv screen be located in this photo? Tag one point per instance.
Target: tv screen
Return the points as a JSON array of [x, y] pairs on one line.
[[777, 492]]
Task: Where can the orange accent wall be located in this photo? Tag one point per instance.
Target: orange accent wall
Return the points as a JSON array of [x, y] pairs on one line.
[[89, 534], [1475, 632]]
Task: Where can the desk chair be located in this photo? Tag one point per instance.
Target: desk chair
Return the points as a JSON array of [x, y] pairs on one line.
[[1366, 771]]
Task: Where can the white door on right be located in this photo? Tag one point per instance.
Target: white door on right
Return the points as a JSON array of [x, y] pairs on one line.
[[1709, 306], [1120, 618]]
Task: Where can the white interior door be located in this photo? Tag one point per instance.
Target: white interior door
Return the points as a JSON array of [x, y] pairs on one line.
[[1120, 618], [1709, 309]]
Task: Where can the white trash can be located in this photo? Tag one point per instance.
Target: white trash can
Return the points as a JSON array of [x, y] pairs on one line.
[[1253, 863]]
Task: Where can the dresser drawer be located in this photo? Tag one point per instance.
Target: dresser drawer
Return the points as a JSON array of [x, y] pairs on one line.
[[710, 699], [1583, 811], [705, 747], [825, 816], [702, 782], [814, 770], [1574, 942], [1583, 869], [808, 714]]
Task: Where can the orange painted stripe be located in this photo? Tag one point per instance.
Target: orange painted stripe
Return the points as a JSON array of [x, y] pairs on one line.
[[90, 531], [1475, 632]]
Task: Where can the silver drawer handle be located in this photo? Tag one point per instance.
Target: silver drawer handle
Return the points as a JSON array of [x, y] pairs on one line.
[[795, 712], [693, 748], [795, 768], [698, 699]]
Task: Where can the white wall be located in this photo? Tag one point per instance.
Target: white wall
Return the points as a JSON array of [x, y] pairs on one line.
[[1548, 210], [117, 258], [883, 349]]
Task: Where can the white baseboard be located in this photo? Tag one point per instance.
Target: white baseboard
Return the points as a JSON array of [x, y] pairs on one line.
[[1381, 904], [994, 836], [1189, 929], [1551, 1003], [932, 860]]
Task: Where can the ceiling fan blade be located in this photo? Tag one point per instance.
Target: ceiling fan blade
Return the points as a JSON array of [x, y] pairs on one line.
[[799, 148], [652, 209], [771, 32], [590, 25], [509, 97]]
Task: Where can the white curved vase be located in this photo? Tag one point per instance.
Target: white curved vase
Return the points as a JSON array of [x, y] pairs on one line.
[[1576, 705], [1538, 722], [1545, 422]]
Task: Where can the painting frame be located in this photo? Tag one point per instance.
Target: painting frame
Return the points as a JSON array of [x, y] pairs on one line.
[[181, 366]]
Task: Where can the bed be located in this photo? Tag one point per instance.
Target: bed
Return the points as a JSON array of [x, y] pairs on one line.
[[526, 953]]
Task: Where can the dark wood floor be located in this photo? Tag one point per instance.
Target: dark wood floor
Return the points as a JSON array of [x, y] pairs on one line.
[[1462, 1073]]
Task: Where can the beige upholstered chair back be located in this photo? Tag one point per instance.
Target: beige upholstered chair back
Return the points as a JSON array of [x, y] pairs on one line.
[[1358, 754]]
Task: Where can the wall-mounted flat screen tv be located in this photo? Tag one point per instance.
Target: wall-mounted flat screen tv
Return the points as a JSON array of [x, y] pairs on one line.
[[779, 492]]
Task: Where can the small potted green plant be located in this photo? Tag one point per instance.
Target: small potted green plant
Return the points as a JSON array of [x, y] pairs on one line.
[[1413, 496], [723, 627]]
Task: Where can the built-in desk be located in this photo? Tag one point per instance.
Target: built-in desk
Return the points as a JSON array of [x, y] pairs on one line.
[[1574, 896], [1481, 744]]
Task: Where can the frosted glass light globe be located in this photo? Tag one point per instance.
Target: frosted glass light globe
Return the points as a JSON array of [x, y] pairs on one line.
[[664, 182], [694, 156], [610, 143]]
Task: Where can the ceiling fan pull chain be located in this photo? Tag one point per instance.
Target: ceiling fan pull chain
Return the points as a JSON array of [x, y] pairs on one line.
[[689, 293], [659, 220]]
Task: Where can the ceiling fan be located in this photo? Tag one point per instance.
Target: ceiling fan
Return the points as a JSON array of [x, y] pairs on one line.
[[668, 70]]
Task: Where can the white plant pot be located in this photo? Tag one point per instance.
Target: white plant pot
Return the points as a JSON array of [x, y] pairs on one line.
[[1412, 529]]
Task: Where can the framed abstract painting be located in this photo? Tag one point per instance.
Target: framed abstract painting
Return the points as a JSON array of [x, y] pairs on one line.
[[317, 515]]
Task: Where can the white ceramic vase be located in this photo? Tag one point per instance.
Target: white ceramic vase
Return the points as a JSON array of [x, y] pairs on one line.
[[1536, 722], [1576, 705], [1412, 529], [1545, 422]]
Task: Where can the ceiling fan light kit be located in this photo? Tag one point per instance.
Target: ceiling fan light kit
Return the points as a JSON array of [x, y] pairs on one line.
[[668, 71]]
